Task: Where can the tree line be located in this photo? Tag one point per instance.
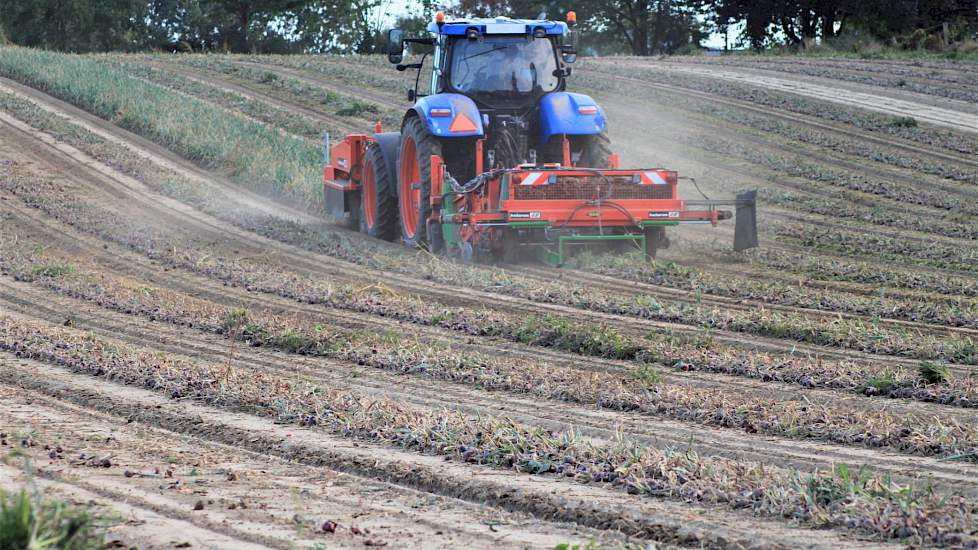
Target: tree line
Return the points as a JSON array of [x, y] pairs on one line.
[[240, 26], [638, 27]]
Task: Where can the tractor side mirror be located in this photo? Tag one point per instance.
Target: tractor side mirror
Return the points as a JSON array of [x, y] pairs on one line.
[[569, 48], [395, 45]]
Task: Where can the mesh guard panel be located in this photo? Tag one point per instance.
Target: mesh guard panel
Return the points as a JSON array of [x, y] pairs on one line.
[[591, 188]]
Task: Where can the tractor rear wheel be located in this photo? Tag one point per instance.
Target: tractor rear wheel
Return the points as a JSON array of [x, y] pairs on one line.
[[596, 152], [378, 197], [414, 182], [591, 151]]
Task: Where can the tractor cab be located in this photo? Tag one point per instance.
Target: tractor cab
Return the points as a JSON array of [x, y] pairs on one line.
[[494, 60], [502, 82], [502, 67]]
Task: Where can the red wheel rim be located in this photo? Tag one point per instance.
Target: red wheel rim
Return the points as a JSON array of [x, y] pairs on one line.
[[369, 194], [410, 179]]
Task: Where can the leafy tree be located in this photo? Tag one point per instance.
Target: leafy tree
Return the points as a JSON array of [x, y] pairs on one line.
[[651, 26], [76, 25], [642, 27], [341, 26], [801, 22], [251, 19]]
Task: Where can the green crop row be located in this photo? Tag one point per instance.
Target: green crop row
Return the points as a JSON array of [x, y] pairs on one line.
[[258, 110], [297, 90], [257, 156], [855, 499]]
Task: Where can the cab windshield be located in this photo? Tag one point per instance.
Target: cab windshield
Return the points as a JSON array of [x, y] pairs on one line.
[[517, 64]]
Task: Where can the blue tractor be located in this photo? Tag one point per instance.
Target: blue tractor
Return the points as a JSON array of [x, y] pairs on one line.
[[500, 158]]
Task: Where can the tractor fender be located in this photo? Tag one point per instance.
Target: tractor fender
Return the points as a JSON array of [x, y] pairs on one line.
[[455, 115], [389, 143], [571, 114]]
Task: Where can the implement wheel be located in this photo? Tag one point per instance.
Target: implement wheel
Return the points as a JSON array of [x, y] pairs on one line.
[[378, 197], [510, 253], [655, 240], [414, 182]]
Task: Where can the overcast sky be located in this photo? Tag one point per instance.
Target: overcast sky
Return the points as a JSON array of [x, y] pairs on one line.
[[388, 12]]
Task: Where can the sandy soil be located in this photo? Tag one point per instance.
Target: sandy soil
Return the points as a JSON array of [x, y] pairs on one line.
[[261, 484]]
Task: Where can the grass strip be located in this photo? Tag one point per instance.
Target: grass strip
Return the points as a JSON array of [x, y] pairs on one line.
[[257, 156]]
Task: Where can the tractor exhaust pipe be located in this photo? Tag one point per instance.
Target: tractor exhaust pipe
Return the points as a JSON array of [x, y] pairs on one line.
[[745, 228]]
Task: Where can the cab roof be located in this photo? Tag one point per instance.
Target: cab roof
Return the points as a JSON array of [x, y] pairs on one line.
[[498, 25]]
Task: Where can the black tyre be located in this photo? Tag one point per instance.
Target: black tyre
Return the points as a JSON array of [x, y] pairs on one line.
[[655, 240], [592, 151], [596, 151], [378, 197], [414, 182], [335, 209], [510, 253]]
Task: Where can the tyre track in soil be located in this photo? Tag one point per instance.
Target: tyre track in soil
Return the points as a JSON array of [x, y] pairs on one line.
[[266, 484], [676, 294], [934, 75], [860, 76], [557, 500], [310, 264], [862, 90], [144, 527], [596, 423]]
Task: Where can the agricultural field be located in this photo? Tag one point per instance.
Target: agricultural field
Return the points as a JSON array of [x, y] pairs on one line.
[[187, 344]]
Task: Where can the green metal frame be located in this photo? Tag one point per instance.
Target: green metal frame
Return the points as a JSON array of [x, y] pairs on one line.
[[548, 256], [449, 231], [654, 223], [556, 259]]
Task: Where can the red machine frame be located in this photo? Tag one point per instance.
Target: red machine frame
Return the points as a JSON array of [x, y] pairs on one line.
[[495, 204]]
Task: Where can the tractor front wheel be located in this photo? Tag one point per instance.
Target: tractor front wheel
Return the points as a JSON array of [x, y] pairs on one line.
[[378, 197], [414, 182]]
